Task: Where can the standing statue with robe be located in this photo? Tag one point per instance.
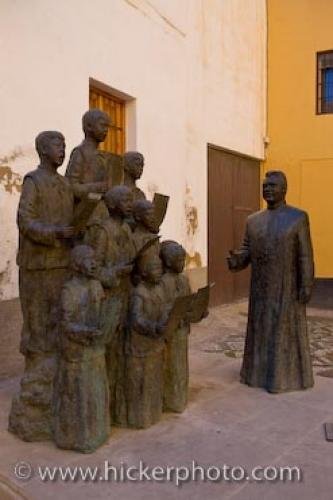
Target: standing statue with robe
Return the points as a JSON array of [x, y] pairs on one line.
[[44, 219], [115, 253], [81, 406], [278, 246], [87, 170]]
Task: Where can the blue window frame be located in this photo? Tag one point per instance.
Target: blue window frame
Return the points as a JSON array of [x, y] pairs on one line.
[[325, 82]]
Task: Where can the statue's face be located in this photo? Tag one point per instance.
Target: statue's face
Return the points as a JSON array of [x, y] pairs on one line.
[[148, 219], [54, 150], [88, 264], [135, 167], [154, 271], [176, 262], [99, 128], [273, 190], [125, 204]]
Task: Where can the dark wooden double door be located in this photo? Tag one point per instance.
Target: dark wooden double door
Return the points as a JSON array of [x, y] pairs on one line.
[[233, 194]]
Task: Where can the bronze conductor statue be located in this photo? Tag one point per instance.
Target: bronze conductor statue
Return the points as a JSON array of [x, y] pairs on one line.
[[278, 246]]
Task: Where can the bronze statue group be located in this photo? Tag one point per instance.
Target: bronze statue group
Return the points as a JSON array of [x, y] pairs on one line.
[[106, 305]]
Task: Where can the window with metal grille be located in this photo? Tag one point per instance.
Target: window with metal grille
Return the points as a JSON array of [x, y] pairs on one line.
[[325, 82], [115, 108]]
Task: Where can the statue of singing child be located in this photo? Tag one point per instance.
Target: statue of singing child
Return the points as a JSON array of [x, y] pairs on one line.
[[133, 163], [175, 285], [176, 370], [81, 393], [115, 252], [148, 316]]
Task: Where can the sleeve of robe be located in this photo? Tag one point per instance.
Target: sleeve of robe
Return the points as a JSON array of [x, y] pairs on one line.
[[138, 320], [27, 217], [132, 250], [68, 310], [72, 328], [305, 254]]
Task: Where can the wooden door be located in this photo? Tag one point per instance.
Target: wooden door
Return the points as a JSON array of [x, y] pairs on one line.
[[115, 108], [233, 194]]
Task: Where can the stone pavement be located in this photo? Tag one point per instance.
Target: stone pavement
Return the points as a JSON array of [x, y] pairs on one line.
[[225, 423]]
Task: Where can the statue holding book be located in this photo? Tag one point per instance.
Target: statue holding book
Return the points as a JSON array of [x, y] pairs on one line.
[[81, 389], [106, 308], [44, 219]]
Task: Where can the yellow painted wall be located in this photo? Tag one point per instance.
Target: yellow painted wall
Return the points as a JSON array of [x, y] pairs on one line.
[[301, 142]]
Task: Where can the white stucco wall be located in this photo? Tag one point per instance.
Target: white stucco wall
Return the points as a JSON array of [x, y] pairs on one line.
[[196, 69]]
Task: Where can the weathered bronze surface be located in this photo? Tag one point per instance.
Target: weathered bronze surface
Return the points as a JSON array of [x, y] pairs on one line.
[[44, 220], [87, 168], [193, 308], [133, 163], [106, 322], [160, 202], [148, 315], [176, 370], [114, 249], [145, 225], [278, 246], [81, 390]]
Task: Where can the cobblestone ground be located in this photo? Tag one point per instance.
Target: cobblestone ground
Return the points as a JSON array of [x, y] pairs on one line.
[[233, 326]]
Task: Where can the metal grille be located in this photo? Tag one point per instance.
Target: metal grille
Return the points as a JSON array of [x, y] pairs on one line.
[[325, 82]]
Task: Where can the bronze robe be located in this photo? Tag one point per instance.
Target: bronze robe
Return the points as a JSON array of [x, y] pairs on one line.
[[112, 241], [278, 246], [46, 203], [141, 236], [86, 169], [144, 356], [81, 394], [176, 368]]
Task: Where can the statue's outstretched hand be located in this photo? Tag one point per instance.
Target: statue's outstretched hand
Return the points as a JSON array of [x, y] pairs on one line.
[[232, 261]]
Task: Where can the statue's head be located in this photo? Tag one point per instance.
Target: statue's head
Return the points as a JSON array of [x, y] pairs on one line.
[[50, 145], [133, 163], [173, 256], [119, 200], [144, 213], [95, 124], [274, 187], [83, 260], [150, 268]]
